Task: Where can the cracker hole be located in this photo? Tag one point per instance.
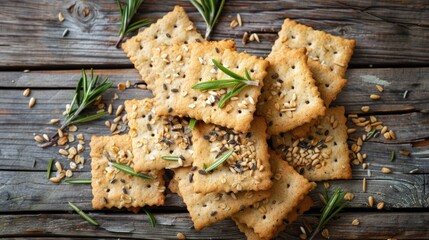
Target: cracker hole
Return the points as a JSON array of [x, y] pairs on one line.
[[263, 217], [153, 135], [309, 44], [155, 37], [204, 205], [335, 52], [108, 190], [281, 115], [335, 143], [335, 160], [246, 95], [194, 98], [239, 111], [326, 85], [186, 42], [288, 185], [293, 87], [148, 186], [293, 67], [307, 102], [252, 70], [175, 26], [168, 97], [171, 151], [293, 37]]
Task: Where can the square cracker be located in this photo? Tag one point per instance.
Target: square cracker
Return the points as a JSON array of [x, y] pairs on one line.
[[304, 206], [332, 51], [289, 190], [290, 96], [213, 207], [203, 105], [326, 143], [114, 188], [153, 136], [248, 168], [173, 28]]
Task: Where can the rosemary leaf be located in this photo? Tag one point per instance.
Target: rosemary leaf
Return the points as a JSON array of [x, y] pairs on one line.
[[129, 170], [216, 84], [171, 158], [220, 160], [82, 119], [151, 217], [127, 13], [236, 90], [392, 156], [228, 72], [370, 134], [210, 11], [48, 173], [78, 181], [82, 214], [192, 123]]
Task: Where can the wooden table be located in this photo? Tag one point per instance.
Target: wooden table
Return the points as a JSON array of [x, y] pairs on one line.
[[392, 49]]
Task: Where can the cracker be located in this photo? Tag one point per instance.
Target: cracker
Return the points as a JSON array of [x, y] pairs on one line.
[[153, 137], [328, 136], [289, 190], [290, 96], [332, 51], [305, 205], [247, 169], [213, 207], [114, 188], [203, 105], [173, 28]]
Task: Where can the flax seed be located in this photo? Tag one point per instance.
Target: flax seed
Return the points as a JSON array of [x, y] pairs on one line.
[[26, 92], [240, 22], [110, 109], [113, 127], [380, 205], [364, 166], [69, 173], [32, 102], [374, 96], [386, 170]]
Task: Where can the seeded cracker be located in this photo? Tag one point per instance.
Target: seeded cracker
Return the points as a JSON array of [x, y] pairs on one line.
[[114, 188], [213, 207], [304, 206], [173, 28], [290, 96], [153, 137], [247, 169], [323, 154], [289, 190], [332, 51], [236, 114]]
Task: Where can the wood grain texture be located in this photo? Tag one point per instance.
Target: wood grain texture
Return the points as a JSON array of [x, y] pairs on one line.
[[375, 225], [387, 32]]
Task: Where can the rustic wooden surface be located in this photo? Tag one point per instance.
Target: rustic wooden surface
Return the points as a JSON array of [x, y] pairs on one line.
[[392, 39]]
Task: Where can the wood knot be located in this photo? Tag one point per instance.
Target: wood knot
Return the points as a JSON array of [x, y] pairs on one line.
[[82, 13]]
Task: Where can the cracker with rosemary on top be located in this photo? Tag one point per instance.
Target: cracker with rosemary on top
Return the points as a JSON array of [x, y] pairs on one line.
[[207, 209], [303, 206], [290, 97], [112, 187], [221, 86], [173, 28], [228, 161], [289, 190], [158, 142], [321, 154]]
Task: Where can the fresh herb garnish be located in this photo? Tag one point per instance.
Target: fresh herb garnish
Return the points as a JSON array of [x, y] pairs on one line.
[[210, 11], [238, 83], [392, 156], [82, 214], [219, 161], [151, 217], [48, 173], [192, 123], [78, 181], [171, 158], [335, 204], [127, 13], [371, 134], [87, 91], [129, 170]]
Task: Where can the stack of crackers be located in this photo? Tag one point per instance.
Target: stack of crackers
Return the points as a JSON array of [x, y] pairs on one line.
[[282, 132]]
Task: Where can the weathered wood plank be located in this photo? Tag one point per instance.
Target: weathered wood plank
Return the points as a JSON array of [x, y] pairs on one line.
[[388, 33], [32, 191], [380, 225], [361, 83]]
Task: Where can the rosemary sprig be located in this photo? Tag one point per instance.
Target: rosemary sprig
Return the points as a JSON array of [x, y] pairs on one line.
[[219, 161], [192, 123], [335, 204], [83, 215], [237, 82], [210, 11], [87, 91], [172, 158], [151, 217], [129, 170], [79, 181], [48, 172], [127, 13]]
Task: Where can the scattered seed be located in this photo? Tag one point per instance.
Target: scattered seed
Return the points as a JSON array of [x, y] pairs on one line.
[[364, 185], [405, 94], [119, 110], [39, 139], [26, 70], [107, 123], [54, 121], [392, 134], [72, 128], [392, 156], [60, 17], [414, 170], [69, 173], [26, 92], [252, 37], [180, 236], [349, 196], [55, 179], [110, 109], [387, 136], [65, 32], [374, 96], [233, 24], [365, 108], [245, 38], [121, 86], [128, 84], [386, 170], [63, 152], [46, 137], [256, 37], [32, 102], [113, 127], [371, 201], [240, 22], [355, 222], [325, 233], [351, 130], [364, 166], [380, 205], [379, 88], [404, 152]]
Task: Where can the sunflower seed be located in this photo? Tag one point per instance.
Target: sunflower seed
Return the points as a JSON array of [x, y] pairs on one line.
[[240, 22], [26, 92], [371, 201], [374, 96], [32, 102], [380, 205]]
